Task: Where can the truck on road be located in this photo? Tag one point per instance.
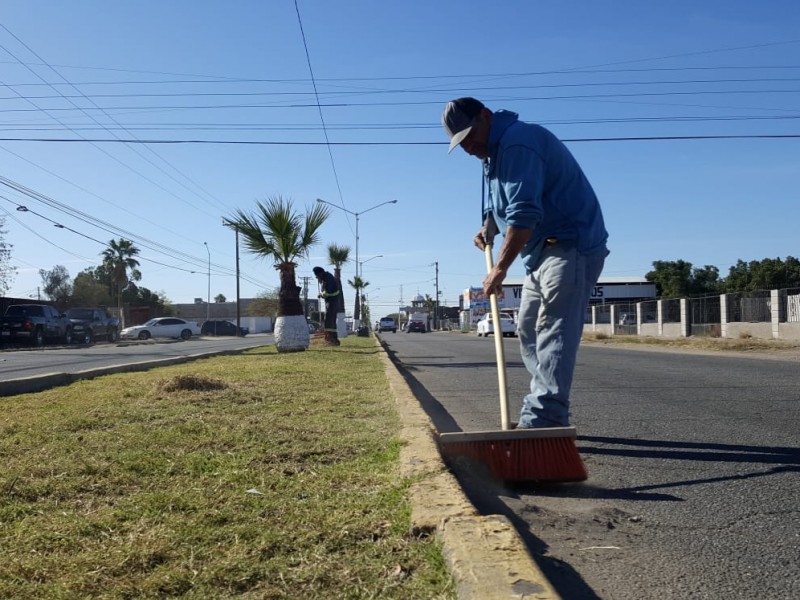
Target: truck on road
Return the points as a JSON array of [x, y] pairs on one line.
[[34, 323], [89, 324]]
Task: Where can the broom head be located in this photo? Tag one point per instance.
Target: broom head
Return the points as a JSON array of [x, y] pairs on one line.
[[518, 455]]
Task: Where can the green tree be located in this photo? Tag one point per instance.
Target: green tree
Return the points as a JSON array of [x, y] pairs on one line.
[[672, 278], [220, 298], [56, 285], [276, 232], [767, 274], [120, 263], [264, 304], [705, 281], [7, 272], [358, 284], [337, 256], [88, 289], [158, 302]]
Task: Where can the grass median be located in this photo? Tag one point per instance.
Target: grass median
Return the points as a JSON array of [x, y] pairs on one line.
[[260, 475]]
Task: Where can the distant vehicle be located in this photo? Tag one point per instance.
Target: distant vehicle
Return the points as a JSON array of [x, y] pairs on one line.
[[387, 324], [416, 326], [507, 326], [35, 323], [168, 327], [88, 324], [222, 327]]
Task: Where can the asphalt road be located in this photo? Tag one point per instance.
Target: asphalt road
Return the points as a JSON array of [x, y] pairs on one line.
[[693, 459], [26, 362]]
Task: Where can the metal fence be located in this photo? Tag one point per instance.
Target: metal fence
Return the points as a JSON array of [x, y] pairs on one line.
[[790, 305], [705, 316], [750, 307]]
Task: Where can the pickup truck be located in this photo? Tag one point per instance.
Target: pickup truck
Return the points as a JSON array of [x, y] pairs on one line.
[[88, 324], [34, 323], [387, 324]]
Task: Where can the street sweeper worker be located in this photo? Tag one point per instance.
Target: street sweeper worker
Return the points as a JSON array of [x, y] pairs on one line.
[[330, 292], [542, 203]]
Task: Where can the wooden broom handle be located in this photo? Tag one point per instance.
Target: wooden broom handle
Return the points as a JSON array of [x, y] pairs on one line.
[[498, 347]]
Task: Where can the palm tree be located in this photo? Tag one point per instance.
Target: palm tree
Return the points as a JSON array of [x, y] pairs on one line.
[[337, 256], [359, 285], [118, 260], [274, 231]]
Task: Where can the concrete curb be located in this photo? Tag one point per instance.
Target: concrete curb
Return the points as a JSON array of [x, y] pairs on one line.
[[485, 554]]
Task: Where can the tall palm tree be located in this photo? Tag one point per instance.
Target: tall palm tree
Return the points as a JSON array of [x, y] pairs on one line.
[[274, 231], [337, 256], [359, 284], [118, 261]]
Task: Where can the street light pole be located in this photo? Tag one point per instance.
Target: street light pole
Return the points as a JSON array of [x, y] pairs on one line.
[[362, 263], [208, 298], [356, 215]]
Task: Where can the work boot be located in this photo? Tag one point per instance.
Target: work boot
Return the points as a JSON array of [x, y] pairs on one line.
[[335, 339], [331, 338]]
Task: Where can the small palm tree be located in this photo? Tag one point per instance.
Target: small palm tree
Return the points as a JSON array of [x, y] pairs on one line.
[[118, 260], [274, 231], [359, 285]]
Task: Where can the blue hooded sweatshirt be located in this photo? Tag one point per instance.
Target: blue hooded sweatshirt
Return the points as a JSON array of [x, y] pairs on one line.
[[535, 183]]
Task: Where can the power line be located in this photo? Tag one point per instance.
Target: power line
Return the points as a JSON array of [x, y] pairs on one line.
[[88, 115], [319, 106], [291, 143]]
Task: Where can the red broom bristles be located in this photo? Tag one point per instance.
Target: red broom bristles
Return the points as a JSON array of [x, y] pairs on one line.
[[553, 459]]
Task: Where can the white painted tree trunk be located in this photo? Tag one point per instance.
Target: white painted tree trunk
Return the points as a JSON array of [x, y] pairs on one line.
[[291, 334]]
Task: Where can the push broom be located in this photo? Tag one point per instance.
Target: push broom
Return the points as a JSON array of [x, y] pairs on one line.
[[516, 455]]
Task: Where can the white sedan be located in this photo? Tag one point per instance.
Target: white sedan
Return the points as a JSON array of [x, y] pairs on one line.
[[168, 327], [507, 325]]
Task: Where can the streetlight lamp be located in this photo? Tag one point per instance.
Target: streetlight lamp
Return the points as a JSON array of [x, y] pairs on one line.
[[363, 262], [208, 298], [356, 215]]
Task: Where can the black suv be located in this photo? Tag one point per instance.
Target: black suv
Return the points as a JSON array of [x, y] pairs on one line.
[[222, 328]]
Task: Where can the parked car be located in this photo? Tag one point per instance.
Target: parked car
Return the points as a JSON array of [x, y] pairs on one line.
[[416, 326], [387, 324], [88, 324], [507, 325], [34, 323], [169, 327], [222, 327]]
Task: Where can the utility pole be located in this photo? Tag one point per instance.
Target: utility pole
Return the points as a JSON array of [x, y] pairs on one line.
[[436, 300], [238, 314]]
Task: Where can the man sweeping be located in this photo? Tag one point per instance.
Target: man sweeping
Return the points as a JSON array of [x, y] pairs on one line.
[[330, 292], [542, 203]]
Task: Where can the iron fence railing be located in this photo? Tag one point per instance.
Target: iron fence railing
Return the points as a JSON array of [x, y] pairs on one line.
[[750, 307]]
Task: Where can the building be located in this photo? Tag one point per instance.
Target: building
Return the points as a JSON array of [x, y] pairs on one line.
[[608, 290]]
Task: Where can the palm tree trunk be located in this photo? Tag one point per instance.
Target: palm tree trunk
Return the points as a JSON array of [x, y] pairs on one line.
[[289, 303], [357, 310]]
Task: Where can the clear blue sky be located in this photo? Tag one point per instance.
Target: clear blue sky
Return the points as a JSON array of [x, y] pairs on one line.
[[238, 72]]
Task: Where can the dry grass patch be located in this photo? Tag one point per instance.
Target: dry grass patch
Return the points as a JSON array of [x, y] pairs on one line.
[[741, 344], [263, 475]]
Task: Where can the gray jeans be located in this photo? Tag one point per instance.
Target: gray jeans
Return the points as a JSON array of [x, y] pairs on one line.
[[551, 315]]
